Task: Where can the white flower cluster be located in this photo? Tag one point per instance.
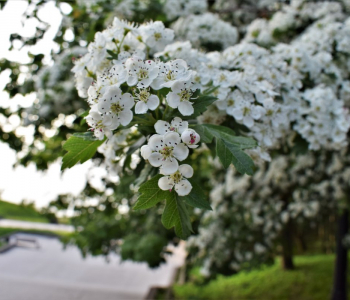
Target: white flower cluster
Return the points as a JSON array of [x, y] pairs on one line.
[[206, 29], [325, 123], [127, 83], [180, 8], [166, 148], [124, 40]]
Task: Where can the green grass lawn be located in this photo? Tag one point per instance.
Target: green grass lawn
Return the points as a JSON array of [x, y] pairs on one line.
[[4, 231], [312, 280], [20, 212]]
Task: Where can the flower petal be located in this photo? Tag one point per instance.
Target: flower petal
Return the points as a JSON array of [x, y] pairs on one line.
[[161, 127], [169, 166], [153, 102], [132, 80], [155, 159], [156, 142], [183, 188], [141, 107], [181, 152], [166, 183], [125, 117], [127, 101], [186, 170], [146, 151], [172, 139], [173, 99], [186, 108]]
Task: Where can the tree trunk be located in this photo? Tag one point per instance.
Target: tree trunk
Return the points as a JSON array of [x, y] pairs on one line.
[[339, 284], [287, 247]]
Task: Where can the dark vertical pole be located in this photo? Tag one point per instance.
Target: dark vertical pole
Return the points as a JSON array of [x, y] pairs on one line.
[[287, 247], [341, 263]]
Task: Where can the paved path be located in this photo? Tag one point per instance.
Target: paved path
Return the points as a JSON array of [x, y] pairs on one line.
[[35, 225], [49, 272]]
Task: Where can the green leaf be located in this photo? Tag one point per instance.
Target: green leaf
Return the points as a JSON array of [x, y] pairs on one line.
[[196, 198], [200, 105], [82, 116], [242, 161], [151, 194], [223, 153], [176, 215], [87, 136], [208, 131], [80, 147]]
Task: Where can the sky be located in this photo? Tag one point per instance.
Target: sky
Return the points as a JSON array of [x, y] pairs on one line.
[[20, 183]]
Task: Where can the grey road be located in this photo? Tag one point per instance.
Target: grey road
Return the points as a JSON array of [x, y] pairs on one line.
[[50, 273]]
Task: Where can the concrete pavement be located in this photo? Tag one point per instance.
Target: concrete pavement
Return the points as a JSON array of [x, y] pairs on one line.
[[49, 272], [6, 223]]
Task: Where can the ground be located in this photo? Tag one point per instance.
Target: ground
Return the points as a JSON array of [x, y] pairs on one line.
[[20, 212], [311, 280]]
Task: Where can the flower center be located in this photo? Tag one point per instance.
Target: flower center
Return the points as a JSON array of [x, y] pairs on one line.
[[167, 152], [222, 77], [269, 113], [144, 95], [230, 102], [116, 108], [185, 95], [143, 74], [99, 125], [157, 36], [169, 76], [177, 177], [246, 111]]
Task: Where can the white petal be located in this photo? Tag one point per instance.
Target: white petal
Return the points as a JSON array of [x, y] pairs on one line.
[[186, 170], [169, 166], [132, 80], [173, 99], [127, 101], [186, 108], [155, 159], [146, 151], [183, 188], [181, 152], [115, 122], [237, 113], [144, 83], [172, 139], [161, 127], [166, 183], [248, 121], [141, 108], [156, 142], [125, 117], [177, 86], [107, 120], [153, 102], [157, 82]]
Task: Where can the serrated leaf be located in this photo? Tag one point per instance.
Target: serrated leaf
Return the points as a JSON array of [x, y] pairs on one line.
[[208, 131], [87, 136], [81, 147], [196, 198], [242, 161], [223, 153], [243, 142], [176, 215], [201, 103], [150, 194]]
